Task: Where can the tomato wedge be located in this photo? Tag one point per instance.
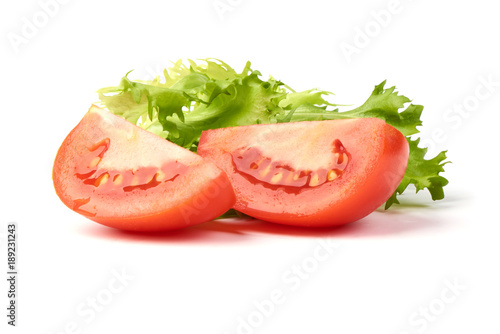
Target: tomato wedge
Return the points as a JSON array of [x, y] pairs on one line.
[[122, 176], [320, 173]]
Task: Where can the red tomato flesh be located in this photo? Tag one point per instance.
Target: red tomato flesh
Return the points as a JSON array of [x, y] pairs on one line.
[[322, 173], [122, 176]]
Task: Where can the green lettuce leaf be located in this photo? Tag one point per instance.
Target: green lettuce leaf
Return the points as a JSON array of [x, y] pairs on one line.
[[422, 173], [194, 97]]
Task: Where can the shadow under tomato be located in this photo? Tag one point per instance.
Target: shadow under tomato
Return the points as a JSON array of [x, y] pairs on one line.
[[186, 235], [415, 214], [374, 225], [237, 230]]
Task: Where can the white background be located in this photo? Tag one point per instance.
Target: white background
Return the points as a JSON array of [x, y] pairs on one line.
[[388, 269]]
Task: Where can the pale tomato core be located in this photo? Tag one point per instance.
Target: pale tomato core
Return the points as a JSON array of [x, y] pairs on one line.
[[250, 162]]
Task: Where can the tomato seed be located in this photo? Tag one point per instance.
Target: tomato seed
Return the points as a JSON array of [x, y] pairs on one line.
[[160, 176], [331, 175], [94, 162], [102, 179], [118, 179], [276, 178]]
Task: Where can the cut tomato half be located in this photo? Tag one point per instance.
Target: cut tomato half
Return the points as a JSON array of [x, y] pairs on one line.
[[321, 173], [122, 176]]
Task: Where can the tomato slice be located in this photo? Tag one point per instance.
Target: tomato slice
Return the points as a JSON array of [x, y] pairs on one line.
[[122, 176], [321, 173]]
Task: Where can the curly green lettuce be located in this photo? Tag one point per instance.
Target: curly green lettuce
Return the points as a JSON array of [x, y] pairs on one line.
[[194, 97]]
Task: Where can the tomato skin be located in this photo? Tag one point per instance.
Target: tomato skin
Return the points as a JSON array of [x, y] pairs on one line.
[[378, 156], [193, 211], [195, 192]]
